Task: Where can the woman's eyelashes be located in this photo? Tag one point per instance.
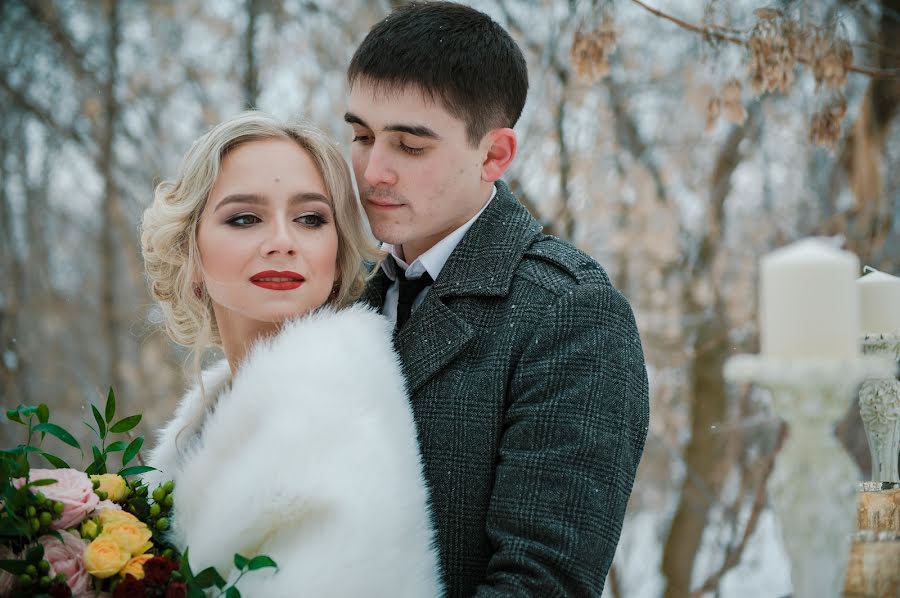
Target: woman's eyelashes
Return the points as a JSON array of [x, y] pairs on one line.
[[308, 220]]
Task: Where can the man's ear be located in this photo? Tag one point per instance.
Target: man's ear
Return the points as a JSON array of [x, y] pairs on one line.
[[501, 149]]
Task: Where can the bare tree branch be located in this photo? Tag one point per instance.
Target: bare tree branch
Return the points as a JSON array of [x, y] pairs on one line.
[[716, 33]]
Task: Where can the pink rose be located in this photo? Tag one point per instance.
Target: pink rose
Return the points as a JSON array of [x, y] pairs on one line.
[[106, 504], [73, 489], [66, 557], [7, 580]]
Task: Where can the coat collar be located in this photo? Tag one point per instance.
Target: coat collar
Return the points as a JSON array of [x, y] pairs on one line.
[[483, 264]]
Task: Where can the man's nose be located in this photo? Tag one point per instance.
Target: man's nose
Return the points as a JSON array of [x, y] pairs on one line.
[[379, 169]]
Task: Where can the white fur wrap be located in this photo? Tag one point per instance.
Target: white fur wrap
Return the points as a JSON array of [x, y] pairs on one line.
[[311, 458]]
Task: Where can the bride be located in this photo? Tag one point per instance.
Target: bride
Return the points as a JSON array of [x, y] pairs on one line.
[[300, 444]]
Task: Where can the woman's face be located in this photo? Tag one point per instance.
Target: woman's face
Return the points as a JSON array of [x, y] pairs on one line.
[[267, 239]]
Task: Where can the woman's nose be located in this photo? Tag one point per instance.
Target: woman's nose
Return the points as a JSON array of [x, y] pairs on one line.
[[278, 239]]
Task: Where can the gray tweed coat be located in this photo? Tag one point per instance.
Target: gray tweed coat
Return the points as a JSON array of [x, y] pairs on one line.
[[530, 397]]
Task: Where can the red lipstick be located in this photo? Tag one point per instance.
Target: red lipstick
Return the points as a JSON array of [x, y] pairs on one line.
[[277, 281]]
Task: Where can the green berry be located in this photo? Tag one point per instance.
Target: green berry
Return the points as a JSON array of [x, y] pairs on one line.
[[169, 486], [162, 524], [25, 579], [31, 570], [45, 581], [169, 502], [141, 491], [95, 483], [44, 566], [35, 524], [159, 494], [60, 578], [40, 498], [155, 510], [31, 511], [45, 519], [58, 507]]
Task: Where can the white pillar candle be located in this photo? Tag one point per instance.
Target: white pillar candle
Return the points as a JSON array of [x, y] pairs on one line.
[[879, 295], [809, 302]]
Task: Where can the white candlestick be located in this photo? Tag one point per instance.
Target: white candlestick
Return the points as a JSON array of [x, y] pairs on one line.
[[879, 295], [809, 304]]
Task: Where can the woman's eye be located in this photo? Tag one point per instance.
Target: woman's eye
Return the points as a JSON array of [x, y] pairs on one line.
[[243, 220], [311, 220], [365, 139], [414, 151]]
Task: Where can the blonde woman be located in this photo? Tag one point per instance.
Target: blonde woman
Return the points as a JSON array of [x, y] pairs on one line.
[[300, 444]]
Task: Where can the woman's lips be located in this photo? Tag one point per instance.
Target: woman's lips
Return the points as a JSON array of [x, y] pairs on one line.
[[277, 281]]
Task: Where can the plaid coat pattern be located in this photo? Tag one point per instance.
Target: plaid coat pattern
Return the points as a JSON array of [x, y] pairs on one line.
[[530, 396]]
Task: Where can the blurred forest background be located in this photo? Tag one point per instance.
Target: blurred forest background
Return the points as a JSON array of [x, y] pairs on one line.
[[676, 141]]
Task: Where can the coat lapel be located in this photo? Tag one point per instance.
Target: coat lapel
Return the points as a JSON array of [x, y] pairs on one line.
[[373, 293], [483, 264]]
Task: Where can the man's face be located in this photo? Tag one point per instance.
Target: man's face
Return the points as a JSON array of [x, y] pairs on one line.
[[419, 178]]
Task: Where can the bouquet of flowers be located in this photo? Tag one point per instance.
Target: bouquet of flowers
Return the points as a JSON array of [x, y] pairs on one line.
[[66, 532]]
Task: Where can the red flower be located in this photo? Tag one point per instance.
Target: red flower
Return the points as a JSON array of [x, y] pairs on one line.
[[130, 587], [59, 589], [158, 570], [176, 589]]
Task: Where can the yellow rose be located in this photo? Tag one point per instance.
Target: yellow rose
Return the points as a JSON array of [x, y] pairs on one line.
[[135, 566], [104, 558], [114, 485], [132, 537], [108, 516]]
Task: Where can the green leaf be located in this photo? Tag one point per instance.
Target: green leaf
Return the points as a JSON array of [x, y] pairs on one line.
[[125, 424], [232, 592], [43, 413], [240, 561], [135, 469], [132, 450], [261, 562], [101, 425], [185, 570], [110, 405], [54, 460], [59, 432], [35, 553], [13, 415], [209, 577], [43, 482], [118, 445], [14, 567]]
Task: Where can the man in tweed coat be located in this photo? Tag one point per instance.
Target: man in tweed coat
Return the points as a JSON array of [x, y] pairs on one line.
[[523, 363]]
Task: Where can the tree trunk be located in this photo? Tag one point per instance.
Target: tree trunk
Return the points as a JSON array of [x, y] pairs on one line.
[[108, 249], [709, 454], [251, 64]]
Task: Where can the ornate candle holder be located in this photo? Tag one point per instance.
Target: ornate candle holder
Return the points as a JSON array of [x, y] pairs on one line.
[[813, 484], [879, 406]]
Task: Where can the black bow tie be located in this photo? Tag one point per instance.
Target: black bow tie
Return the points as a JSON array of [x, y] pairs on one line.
[[409, 290]]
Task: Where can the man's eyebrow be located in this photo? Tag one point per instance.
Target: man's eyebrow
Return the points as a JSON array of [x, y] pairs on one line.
[[417, 130], [252, 198]]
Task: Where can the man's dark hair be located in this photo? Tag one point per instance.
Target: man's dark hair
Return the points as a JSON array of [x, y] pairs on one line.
[[452, 53]]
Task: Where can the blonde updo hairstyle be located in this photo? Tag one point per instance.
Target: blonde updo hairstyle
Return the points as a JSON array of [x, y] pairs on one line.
[[169, 229]]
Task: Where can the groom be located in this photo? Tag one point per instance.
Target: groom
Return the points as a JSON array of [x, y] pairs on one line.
[[523, 363]]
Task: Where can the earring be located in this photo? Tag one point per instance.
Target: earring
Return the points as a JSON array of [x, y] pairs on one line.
[[198, 291]]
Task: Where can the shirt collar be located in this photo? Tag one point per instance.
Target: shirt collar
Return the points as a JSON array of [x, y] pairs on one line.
[[433, 260]]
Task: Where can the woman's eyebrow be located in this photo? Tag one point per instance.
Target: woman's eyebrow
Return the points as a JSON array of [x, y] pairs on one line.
[[254, 199]]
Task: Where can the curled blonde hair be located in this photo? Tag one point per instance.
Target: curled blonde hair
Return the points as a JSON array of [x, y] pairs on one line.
[[169, 228]]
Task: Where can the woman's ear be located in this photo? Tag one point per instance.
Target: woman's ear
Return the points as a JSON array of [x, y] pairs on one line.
[[501, 149]]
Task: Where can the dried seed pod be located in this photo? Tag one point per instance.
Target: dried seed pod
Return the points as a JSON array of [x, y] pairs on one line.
[[732, 103], [591, 51], [825, 126]]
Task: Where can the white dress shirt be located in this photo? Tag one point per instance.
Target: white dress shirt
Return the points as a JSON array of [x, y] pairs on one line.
[[432, 261]]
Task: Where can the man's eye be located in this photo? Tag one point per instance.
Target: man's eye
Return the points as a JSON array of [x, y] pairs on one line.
[[311, 220], [243, 220], [414, 151]]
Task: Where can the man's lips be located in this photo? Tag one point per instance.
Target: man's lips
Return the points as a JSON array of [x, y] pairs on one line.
[[277, 281], [383, 203]]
